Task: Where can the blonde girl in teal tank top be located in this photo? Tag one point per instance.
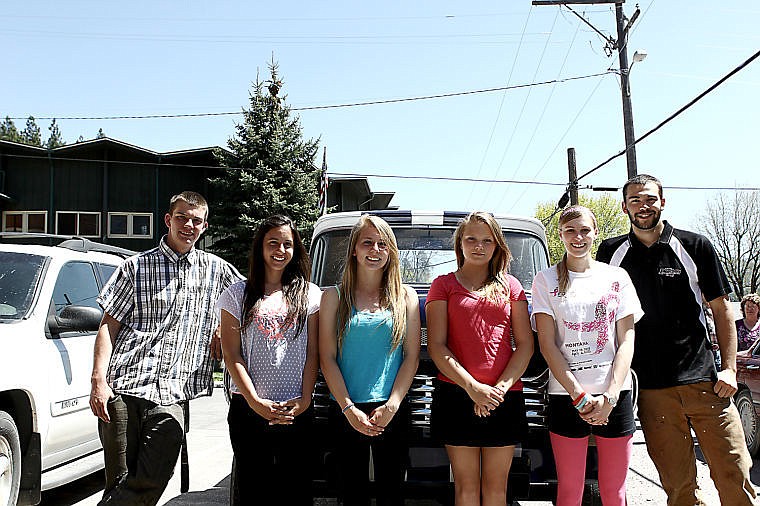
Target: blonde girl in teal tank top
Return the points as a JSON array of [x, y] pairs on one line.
[[369, 343]]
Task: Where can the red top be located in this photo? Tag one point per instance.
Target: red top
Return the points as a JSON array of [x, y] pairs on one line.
[[478, 329]]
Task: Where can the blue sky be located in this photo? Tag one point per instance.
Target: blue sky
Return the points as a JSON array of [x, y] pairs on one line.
[[86, 58]]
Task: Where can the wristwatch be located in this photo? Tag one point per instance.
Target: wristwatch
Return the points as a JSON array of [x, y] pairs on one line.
[[612, 400]]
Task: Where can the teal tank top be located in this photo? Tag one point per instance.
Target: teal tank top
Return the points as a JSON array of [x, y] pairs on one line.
[[368, 366]]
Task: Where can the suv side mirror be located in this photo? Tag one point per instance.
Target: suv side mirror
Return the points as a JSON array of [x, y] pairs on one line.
[[75, 319]]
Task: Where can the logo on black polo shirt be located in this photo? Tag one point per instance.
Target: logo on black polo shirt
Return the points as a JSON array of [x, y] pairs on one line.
[[669, 272]]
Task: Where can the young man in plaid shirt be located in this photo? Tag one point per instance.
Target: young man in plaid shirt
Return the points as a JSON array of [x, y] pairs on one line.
[[152, 353]]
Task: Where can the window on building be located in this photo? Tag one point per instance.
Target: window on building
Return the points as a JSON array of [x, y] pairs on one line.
[[25, 221], [83, 224], [137, 225]]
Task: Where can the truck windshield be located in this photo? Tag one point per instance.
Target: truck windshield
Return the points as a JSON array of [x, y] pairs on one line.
[[19, 275], [426, 253]]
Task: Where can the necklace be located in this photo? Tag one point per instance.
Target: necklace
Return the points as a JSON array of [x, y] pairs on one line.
[[469, 286]]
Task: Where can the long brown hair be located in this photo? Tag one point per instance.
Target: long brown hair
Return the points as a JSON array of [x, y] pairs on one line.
[[496, 285], [295, 277], [392, 293], [569, 214]]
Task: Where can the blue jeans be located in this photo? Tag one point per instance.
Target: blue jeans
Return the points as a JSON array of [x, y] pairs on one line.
[[141, 445]]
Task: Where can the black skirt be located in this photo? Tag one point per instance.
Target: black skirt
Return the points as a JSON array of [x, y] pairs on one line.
[[453, 420]]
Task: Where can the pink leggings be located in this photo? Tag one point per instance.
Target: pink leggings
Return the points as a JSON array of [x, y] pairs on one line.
[[570, 457]]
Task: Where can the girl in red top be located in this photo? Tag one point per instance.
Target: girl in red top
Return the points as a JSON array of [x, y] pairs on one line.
[[478, 405]]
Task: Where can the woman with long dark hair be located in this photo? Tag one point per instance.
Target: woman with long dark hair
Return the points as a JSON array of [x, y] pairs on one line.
[[269, 326]]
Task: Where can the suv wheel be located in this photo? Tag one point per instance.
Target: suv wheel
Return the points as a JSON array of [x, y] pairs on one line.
[[10, 460], [749, 420]]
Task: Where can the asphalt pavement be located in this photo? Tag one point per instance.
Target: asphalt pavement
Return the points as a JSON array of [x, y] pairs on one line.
[[210, 458]]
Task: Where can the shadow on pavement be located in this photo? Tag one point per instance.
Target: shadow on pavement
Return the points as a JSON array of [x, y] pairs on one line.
[[75, 491], [218, 494]]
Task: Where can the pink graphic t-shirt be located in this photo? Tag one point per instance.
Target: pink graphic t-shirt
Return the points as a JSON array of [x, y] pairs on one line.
[[585, 318], [274, 354]]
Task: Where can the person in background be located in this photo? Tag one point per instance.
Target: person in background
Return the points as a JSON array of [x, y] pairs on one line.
[[478, 407], [152, 353], [369, 346], [269, 329], [584, 312], [711, 334], [680, 388], [748, 327]]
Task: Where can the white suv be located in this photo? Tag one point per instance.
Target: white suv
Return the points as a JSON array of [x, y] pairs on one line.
[[48, 320]]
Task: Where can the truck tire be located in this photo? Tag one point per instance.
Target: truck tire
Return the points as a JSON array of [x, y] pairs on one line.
[[749, 419], [591, 495], [10, 460]]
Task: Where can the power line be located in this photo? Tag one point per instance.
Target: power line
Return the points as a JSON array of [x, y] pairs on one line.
[[501, 104], [543, 111], [365, 174], [320, 107], [522, 109], [558, 143], [675, 114]]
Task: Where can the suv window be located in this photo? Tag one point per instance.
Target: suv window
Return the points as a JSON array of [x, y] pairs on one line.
[[19, 276], [427, 252], [76, 285], [106, 271]]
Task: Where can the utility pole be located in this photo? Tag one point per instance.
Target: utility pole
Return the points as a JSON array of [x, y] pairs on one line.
[[572, 177], [625, 88], [621, 44]]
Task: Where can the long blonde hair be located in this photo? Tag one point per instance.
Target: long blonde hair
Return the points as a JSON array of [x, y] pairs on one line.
[[392, 293], [496, 286], [570, 214]]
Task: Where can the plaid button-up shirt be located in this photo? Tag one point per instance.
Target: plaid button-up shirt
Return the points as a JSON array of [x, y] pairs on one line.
[[165, 304]]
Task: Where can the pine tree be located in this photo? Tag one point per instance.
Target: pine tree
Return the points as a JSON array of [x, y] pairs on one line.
[[55, 139], [8, 131], [269, 169], [31, 133]]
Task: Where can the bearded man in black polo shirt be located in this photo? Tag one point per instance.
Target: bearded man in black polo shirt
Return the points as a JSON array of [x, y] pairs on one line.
[[680, 387]]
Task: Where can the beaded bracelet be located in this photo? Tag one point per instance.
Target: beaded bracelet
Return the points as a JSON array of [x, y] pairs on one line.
[[348, 406]]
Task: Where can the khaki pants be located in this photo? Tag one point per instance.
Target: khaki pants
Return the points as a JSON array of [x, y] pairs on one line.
[[666, 416]]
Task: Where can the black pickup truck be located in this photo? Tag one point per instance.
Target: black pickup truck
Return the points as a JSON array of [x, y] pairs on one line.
[[426, 251], [425, 241]]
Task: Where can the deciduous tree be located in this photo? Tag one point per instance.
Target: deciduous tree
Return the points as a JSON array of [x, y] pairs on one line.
[[732, 223], [609, 216]]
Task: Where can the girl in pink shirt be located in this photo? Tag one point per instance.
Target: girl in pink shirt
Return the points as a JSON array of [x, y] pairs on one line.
[[478, 406]]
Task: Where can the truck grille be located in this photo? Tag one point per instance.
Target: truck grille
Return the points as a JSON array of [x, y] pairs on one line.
[[420, 398]]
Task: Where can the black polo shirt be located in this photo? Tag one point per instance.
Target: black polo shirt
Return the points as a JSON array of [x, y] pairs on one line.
[[672, 346]]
